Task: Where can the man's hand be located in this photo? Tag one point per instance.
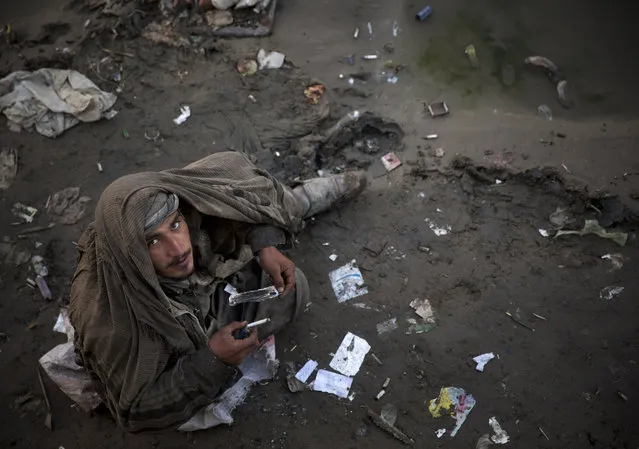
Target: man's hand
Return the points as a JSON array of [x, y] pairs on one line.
[[279, 267], [229, 350]]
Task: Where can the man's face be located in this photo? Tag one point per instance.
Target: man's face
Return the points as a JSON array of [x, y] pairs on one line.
[[170, 248]]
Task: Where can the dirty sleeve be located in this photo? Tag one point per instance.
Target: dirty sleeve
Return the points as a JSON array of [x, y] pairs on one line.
[[262, 236]]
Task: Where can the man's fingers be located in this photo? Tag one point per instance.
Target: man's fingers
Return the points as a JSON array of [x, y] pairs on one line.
[[289, 276], [278, 281], [235, 325]]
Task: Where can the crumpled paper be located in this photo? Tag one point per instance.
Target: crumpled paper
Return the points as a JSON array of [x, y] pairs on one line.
[[52, 101], [455, 402]]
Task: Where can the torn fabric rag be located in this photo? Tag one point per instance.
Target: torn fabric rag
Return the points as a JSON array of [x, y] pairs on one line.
[[52, 101]]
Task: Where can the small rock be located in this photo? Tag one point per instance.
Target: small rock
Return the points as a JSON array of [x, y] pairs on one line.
[[218, 19]]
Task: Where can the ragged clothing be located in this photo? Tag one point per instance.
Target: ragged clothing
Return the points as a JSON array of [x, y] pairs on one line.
[[147, 351]]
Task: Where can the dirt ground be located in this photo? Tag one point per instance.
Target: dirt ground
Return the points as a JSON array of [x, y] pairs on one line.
[[575, 377]]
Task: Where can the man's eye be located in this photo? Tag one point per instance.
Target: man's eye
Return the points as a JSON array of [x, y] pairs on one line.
[[153, 242], [175, 224]]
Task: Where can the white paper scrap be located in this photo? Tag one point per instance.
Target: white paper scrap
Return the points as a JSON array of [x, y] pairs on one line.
[[440, 432], [185, 112], [333, 257], [306, 371], [482, 359], [347, 282], [500, 437], [328, 382], [350, 355]]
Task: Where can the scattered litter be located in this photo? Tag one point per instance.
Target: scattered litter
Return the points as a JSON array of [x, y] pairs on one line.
[[380, 394], [52, 101], [544, 233], [48, 420], [247, 67], [99, 165], [556, 77], [622, 396], [125, 134], [391, 429], [422, 14], [500, 437], [67, 206], [610, 292], [39, 266], [151, 134], [395, 29], [543, 433], [498, 181], [559, 218], [306, 371], [390, 162], [165, 34], [329, 382], [615, 259], [26, 213], [370, 29], [252, 98], [271, 60], [438, 108], [455, 402], [472, 56], [356, 33], [389, 414], [438, 230], [521, 323], [387, 326], [545, 112], [484, 442], [314, 93], [185, 112], [593, 227], [379, 362], [369, 57], [44, 288], [386, 383], [326, 244], [418, 328], [8, 167], [482, 360], [347, 282], [333, 257], [35, 229], [431, 137], [540, 317], [350, 355], [424, 309], [439, 152], [440, 433]]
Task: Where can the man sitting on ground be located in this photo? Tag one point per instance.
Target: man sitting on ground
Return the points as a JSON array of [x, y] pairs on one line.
[[153, 327]]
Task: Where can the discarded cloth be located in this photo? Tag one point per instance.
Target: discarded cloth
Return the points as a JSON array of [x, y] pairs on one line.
[[67, 206], [52, 101], [59, 363]]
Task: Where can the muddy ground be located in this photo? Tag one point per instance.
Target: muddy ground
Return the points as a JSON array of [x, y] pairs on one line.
[[575, 376]]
